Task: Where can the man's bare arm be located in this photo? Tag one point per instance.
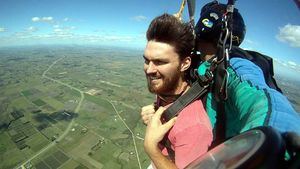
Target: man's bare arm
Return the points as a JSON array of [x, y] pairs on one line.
[[155, 132], [159, 160]]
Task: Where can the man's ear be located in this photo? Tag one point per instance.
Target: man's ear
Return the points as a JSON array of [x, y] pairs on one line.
[[185, 64]]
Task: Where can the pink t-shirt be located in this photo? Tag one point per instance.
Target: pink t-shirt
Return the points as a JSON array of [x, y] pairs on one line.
[[191, 135]]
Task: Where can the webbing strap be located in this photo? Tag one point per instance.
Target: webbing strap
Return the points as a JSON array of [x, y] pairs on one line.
[[220, 135], [178, 15], [196, 91], [167, 143]]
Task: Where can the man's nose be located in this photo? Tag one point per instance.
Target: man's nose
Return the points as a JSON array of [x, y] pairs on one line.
[[151, 68]]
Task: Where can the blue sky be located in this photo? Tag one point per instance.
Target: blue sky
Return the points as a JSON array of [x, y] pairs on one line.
[[273, 26]]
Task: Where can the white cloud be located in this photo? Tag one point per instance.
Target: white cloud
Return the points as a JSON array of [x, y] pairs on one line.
[[66, 19], [288, 64], [139, 18], [2, 29], [57, 30], [247, 48], [31, 29], [63, 30], [22, 35], [101, 38], [35, 19], [292, 63], [66, 35], [250, 45], [249, 41], [290, 34], [47, 19], [43, 19]]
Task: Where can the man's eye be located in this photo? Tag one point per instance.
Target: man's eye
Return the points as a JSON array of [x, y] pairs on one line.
[[160, 62], [146, 61]]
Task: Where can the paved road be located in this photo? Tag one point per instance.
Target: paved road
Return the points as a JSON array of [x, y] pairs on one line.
[[44, 75], [70, 124], [132, 134]]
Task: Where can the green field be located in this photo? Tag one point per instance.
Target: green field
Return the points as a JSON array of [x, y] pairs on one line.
[[37, 142], [39, 102], [97, 137], [9, 149], [27, 93]]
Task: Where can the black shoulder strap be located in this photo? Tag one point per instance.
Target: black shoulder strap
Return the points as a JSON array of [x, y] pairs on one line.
[[196, 91], [220, 95], [167, 143], [220, 129]]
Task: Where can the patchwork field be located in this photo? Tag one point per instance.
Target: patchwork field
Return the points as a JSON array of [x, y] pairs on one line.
[[65, 107]]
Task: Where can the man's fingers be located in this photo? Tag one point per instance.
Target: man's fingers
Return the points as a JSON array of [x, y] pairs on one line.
[[146, 122], [144, 118], [169, 124], [159, 112], [147, 110], [147, 117], [149, 107]]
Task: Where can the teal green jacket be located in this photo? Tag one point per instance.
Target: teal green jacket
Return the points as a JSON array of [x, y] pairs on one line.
[[251, 102]]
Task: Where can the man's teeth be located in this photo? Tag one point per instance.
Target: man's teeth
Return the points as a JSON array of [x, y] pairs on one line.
[[154, 78]]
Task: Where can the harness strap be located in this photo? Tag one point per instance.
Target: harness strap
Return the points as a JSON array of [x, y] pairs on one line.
[[178, 15], [220, 74], [220, 132], [196, 91], [167, 143]]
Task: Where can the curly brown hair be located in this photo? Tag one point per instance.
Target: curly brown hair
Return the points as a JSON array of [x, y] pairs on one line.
[[168, 29]]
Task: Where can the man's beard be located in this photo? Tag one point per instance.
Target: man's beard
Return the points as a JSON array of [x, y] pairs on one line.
[[166, 85]]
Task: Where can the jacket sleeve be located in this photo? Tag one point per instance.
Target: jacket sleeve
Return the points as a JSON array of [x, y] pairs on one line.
[[252, 103]]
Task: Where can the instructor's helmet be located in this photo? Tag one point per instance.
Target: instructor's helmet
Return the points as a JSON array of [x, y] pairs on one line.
[[209, 25]]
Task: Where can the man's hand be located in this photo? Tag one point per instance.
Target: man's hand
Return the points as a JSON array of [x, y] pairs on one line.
[[147, 113], [155, 131]]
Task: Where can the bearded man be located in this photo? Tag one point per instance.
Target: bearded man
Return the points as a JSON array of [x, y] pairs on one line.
[[167, 58]]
